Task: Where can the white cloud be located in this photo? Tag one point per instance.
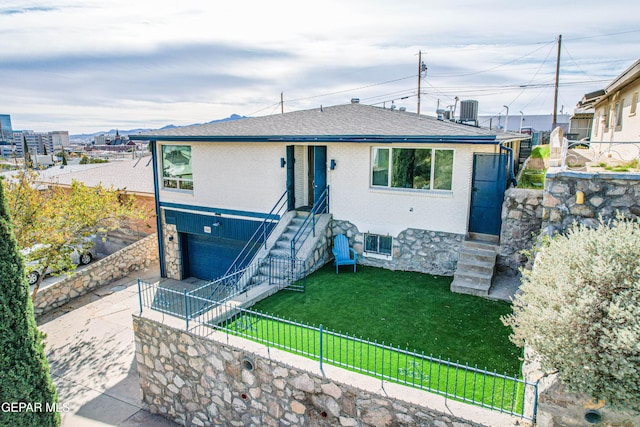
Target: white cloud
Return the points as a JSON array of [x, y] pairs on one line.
[[90, 65]]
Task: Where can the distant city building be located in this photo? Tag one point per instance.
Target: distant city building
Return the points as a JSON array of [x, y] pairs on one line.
[[39, 143], [60, 139], [534, 122], [6, 132]]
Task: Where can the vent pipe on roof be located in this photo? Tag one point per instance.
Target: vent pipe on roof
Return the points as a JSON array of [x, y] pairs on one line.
[[355, 100]]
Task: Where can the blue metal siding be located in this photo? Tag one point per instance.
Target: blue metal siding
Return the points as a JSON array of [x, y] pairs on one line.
[[227, 228]]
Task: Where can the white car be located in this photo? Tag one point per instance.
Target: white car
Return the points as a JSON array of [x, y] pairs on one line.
[[33, 273]]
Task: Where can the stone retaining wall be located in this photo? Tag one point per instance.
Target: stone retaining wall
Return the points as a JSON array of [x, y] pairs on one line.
[[136, 256], [521, 221], [604, 194], [214, 381], [425, 251], [559, 407]]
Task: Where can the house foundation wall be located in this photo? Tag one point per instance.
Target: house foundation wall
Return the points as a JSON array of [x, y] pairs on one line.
[[171, 245], [223, 380], [424, 251]]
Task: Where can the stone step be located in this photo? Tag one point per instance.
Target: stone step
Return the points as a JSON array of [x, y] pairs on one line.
[[475, 266], [479, 244], [473, 277], [465, 288], [483, 237], [280, 252], [475, 254]]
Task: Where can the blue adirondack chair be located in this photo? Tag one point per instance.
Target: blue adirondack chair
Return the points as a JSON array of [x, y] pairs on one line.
[[342, 252]]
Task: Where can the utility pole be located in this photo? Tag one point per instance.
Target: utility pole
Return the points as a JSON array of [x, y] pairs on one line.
[[422, 68], [555, 98], [281, 102]]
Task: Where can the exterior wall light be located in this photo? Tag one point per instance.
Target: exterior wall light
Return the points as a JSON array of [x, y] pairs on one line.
[[282, 162], [579, 198], [332, 165]]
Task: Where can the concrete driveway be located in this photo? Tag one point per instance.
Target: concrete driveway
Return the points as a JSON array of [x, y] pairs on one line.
[[90, 348]]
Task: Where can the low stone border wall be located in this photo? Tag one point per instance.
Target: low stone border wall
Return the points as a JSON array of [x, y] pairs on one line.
[[136, 256], [228, 381], [559, 407]]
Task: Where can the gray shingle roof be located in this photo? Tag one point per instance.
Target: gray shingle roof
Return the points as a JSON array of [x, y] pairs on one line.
[[136, 176], [353, 120]]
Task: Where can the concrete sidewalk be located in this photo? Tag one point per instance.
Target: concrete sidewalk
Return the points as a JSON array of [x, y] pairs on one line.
[[90, 348]]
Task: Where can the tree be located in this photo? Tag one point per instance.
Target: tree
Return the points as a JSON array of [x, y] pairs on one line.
[[64, 158], [579, 310], [28, 163], [59, 220], [24, 371]]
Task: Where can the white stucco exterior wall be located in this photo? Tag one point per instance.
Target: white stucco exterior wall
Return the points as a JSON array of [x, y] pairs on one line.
[[390, 211], [239, 176], [248, 177]]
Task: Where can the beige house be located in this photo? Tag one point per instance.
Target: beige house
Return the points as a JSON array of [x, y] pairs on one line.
[[616, 125]]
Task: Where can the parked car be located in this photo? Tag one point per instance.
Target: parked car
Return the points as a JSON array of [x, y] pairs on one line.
[[32, 262]]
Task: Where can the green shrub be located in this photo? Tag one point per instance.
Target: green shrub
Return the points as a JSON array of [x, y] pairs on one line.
[[580, 310], [532, 178], [541, 152], [24, 371]]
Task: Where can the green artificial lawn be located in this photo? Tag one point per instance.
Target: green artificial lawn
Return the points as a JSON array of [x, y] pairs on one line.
[[411, 310]]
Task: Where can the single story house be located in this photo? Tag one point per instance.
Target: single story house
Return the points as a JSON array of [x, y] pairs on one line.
[[616, 126], [406, 189]]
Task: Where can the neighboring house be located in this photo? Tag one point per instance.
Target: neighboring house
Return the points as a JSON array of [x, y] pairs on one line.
[[617, 120], [582, 119], [405, 188], [133, 177]]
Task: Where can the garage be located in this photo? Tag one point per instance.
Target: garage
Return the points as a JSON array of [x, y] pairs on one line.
[[207, 257], [209, 243]]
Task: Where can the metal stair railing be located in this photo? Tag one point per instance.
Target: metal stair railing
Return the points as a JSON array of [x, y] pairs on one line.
[[320, 206], [259, 237]]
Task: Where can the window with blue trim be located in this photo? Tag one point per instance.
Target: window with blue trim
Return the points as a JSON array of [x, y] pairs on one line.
[[176, 167]]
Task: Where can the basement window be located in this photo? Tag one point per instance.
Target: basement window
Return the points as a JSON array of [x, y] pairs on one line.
[[377, 244]]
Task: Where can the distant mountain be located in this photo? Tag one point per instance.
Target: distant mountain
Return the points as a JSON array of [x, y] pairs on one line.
[[90, 136]]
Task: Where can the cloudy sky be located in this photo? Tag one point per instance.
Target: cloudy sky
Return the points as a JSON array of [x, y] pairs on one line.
[[94, 65]]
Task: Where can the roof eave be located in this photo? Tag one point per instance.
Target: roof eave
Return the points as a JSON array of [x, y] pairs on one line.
[[386, 139]]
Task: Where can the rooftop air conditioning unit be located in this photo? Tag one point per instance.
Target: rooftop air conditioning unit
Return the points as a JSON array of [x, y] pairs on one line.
[[469, 111]]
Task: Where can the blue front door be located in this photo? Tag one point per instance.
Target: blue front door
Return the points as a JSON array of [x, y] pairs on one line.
[[319, 173], [488, 185]]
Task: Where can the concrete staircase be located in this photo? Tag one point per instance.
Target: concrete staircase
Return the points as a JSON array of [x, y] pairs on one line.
[[476, 266], [280, 271]]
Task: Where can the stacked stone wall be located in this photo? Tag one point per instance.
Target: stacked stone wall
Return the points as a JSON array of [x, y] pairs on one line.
[[200, 381], [605, 194], [521, 221], [424, 251], [137, 256]]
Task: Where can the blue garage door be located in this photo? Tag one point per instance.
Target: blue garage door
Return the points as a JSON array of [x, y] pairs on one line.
[[209, 258]]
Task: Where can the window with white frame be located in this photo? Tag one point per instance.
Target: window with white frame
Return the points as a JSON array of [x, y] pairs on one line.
[[378, 244], [414, 168], [176, 167]]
